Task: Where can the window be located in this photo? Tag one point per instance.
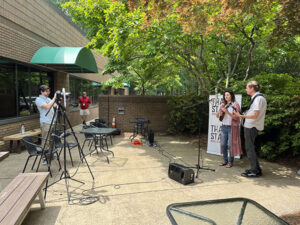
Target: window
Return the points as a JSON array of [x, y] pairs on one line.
[[8, 106], [19, 88], [93, 90]]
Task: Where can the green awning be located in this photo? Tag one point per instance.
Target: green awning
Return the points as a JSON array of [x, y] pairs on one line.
[[67, 59]]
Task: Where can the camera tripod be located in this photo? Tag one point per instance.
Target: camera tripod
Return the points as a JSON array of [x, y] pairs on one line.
[[65, 175], [198, 167]]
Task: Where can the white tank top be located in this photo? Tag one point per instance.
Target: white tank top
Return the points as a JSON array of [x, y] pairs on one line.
[[227, 119]]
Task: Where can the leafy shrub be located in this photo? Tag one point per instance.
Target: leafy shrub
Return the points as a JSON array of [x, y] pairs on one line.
[[281, 134], [186, 119]]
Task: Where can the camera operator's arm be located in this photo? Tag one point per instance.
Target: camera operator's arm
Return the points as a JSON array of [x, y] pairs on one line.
[[48, 106]]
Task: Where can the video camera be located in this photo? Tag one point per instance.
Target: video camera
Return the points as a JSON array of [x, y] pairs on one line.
[[62, 95]]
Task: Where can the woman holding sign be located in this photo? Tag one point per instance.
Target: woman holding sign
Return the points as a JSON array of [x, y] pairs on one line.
[[230, 136]]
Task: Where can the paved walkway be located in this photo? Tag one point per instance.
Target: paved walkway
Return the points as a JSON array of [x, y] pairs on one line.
[[135, 189]]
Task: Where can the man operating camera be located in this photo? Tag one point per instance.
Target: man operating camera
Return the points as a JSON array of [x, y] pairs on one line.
[[44, 103]]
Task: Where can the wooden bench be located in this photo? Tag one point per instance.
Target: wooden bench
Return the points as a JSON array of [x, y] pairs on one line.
[[3, 155], [18, 196], [18, 137]]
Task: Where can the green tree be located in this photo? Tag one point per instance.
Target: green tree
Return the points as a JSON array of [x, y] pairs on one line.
[[281, 134], [117, 33]]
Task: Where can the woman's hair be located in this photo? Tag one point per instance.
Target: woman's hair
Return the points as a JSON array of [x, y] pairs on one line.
[[231, 94]]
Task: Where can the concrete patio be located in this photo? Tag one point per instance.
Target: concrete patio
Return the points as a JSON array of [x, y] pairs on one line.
[[135, 189]]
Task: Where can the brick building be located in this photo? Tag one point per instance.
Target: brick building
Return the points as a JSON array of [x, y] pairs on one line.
[[26, 27]]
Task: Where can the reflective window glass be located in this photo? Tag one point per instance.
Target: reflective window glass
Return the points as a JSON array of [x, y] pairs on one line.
[[8, 106], [19, 87]]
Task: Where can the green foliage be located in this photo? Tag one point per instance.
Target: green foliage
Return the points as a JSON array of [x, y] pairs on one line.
[[155, 54], [281, 134], [186, 120]]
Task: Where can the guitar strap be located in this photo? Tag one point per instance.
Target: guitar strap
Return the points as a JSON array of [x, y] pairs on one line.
[[252, 100]]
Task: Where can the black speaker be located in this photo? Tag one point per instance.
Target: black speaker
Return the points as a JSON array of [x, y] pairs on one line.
[[181, 174], [151, 137]]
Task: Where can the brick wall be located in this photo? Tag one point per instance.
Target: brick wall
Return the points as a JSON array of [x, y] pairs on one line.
[[75, 119], [13, 128], [26, 26], [150, 107]]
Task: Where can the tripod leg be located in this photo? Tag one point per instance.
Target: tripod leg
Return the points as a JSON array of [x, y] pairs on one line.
[[57, 155], [88, 166], [67, 188], [70, 155]]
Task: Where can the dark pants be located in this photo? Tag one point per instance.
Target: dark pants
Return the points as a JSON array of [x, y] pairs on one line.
[[250, 135]]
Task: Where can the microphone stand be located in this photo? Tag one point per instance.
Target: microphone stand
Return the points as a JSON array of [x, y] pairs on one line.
[[198, 167]]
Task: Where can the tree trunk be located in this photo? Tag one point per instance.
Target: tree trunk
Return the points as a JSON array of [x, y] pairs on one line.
[[250, 60]]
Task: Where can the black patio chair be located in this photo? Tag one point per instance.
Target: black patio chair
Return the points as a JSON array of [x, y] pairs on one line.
[[88, 138], [37, 150], [57, 139]]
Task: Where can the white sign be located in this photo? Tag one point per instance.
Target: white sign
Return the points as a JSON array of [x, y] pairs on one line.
[[214, 125]]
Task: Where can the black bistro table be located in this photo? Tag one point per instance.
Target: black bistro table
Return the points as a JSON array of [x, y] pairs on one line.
[[99, 134], [231, 211]]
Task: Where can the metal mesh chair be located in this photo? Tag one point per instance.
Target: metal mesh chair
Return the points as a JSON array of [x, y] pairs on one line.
[[88, 138], [37, 150], [57, 138]]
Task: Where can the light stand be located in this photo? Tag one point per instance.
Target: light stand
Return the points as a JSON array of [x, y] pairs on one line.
[[61, 111]]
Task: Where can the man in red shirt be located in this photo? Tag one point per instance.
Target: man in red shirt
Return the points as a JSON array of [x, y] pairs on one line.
[[84, 104]]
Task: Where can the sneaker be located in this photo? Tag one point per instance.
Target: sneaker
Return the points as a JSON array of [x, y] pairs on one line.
[[259, 171], [251, 174]]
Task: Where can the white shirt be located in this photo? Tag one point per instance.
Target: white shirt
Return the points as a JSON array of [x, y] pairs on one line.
[[227, 119], [259, 104]]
